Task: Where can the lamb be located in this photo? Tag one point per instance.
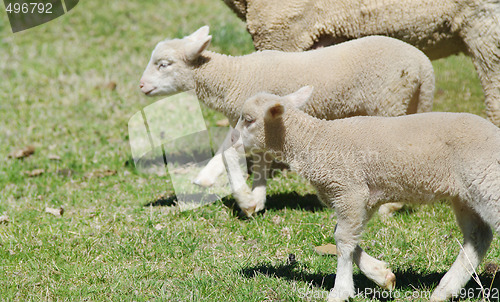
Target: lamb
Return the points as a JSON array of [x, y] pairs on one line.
[[439, 29], [417, 158], [370, 76]]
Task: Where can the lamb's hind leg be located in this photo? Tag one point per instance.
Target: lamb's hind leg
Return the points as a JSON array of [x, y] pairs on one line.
[[209, 174], [477, 239]]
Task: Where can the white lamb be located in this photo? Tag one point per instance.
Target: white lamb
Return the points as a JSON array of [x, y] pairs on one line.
[[357, 164], [438, 28], [370, 76]]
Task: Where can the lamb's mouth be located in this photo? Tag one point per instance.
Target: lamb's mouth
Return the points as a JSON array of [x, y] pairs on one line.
[[149, 92]]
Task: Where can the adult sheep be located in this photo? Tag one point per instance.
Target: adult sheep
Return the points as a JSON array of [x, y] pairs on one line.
[[439, 29]]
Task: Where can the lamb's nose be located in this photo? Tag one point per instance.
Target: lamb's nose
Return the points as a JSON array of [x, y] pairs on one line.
[[141, 84]]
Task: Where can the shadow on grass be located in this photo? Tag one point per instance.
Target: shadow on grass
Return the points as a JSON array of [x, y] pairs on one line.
[[291, 200], [407, 281], [163, 201]]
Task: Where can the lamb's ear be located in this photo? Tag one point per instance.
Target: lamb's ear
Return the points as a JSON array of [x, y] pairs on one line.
[[275, 111], [300, 97], [195, 48], [200, 34]]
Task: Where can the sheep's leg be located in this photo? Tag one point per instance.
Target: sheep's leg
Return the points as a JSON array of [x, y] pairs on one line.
[[374, 269], [477, 239], [260, 165], [215, 167], [387, 209], [241, 192], [351, 218], [481, 37]]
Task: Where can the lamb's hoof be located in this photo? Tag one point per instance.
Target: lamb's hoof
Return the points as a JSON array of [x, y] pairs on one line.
[[335, 300], [390, 281], [437, 298], [388, 209], [248, 212], [203, 182]]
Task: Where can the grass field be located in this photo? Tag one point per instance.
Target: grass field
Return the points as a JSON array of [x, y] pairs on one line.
[[69, 87]]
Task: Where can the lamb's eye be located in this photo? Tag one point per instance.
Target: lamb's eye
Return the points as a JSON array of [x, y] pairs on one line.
[[163, 65], [249, 119]]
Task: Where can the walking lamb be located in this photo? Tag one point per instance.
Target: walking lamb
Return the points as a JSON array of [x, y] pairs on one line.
[[418, 158]]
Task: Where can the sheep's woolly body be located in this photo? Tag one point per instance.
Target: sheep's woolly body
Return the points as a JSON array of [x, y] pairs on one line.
[[398, 79], [418, 158], [438, 28], [359, 163]]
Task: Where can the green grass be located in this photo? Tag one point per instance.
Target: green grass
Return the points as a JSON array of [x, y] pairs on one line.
[[119, 237]]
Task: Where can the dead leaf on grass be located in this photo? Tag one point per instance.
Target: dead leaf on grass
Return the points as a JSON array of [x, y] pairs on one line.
[[22, 153], [327, 249], [491, 268], [160, 226], [4, 219], [222, 123], [34, 173], [111, 85], [55, 212], [100, 173], [54, 157], [65, 172]]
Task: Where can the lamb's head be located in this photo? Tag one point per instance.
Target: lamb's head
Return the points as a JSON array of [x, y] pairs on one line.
[[260, 126], [170, 69]]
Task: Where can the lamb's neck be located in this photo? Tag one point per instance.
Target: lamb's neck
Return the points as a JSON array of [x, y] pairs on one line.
[[214, 76], [295, 138]]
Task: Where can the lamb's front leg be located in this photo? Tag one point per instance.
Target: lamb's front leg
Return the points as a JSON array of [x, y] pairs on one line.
[[346, 244], [241, 192], [260, 166], [352, 215]]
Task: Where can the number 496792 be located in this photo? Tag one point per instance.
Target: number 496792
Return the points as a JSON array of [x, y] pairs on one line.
[[29, 8]]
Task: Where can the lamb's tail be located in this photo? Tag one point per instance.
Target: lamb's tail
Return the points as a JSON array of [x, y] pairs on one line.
[[426, 89]]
